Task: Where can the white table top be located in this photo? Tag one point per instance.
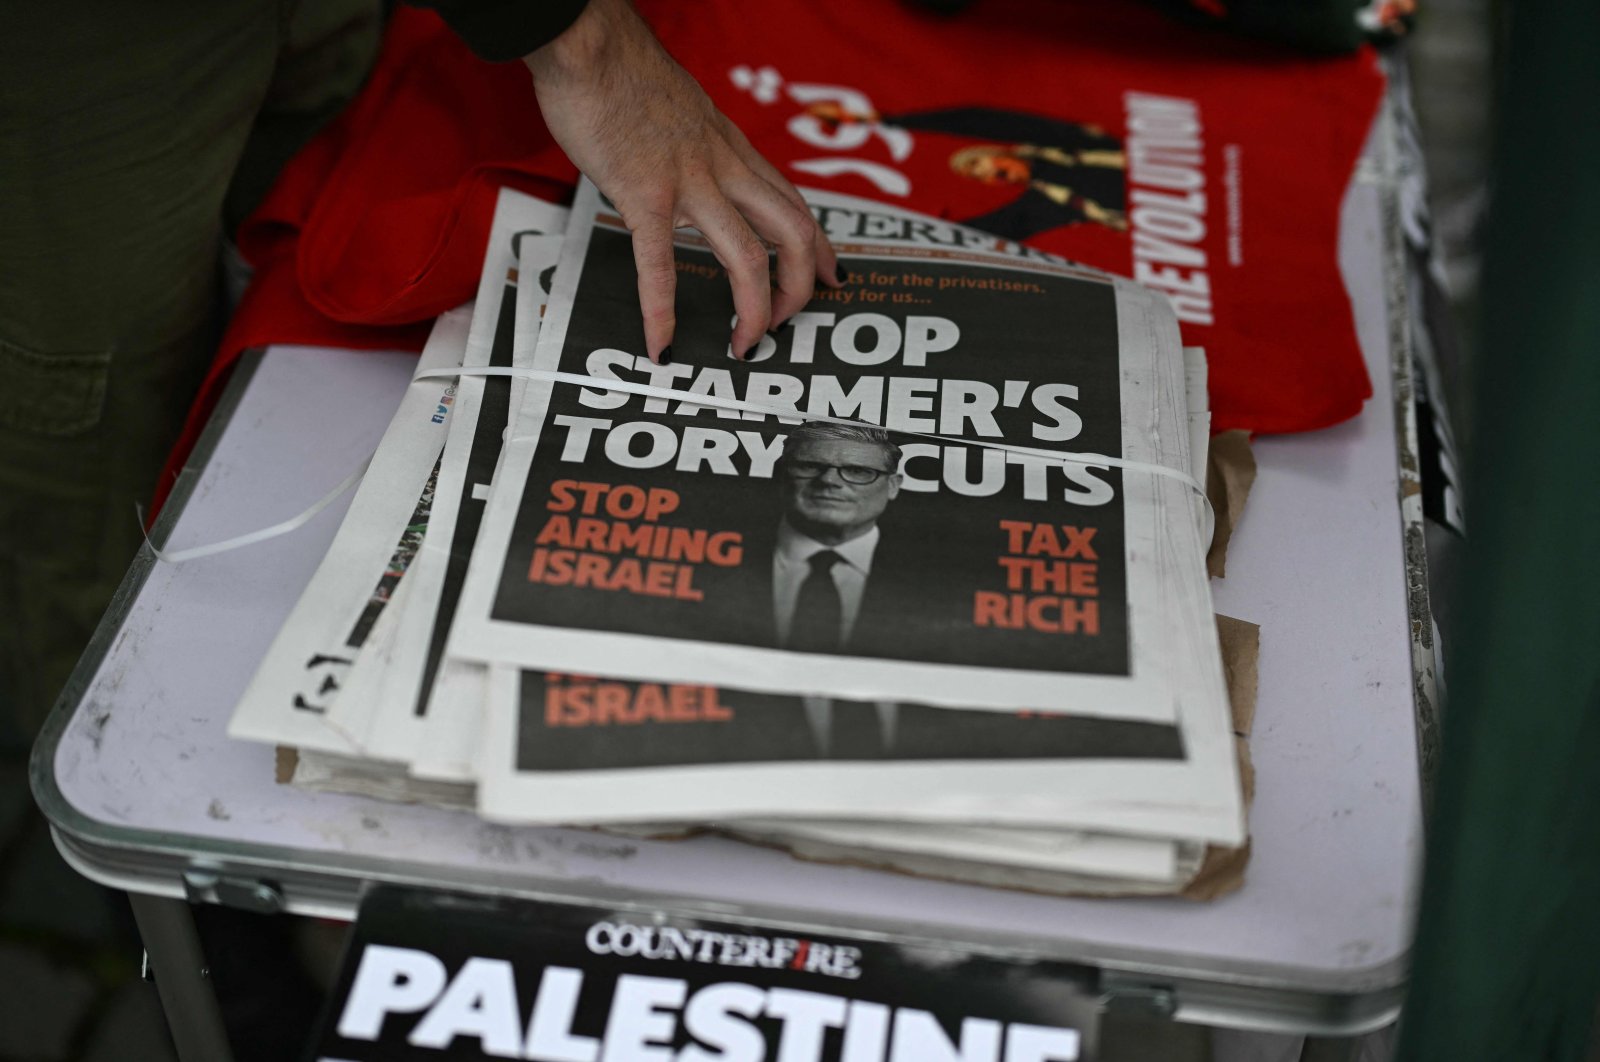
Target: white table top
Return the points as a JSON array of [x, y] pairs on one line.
[[144, 764]]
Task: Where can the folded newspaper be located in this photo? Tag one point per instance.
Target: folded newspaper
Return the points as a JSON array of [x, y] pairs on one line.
[[921, 584]]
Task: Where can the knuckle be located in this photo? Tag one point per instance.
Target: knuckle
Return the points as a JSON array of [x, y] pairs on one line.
[[656, 286], [656, 266], [656, 270], [648, 213], [792, 194], [650, 203], [798, 218], [751, 253], [799, 290]]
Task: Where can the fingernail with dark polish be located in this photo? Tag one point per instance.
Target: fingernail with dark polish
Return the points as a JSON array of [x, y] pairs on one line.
[[665, 357], [840, 275]]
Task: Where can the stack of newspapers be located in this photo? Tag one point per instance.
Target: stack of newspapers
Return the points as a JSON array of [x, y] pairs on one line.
[[920, 584]]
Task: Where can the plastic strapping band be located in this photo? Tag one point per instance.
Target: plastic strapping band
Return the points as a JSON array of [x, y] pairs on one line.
[[688, 398], [294, 523], [742, 406]]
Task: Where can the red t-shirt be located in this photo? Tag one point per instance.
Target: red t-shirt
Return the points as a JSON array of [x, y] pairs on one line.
[[1208, 167]]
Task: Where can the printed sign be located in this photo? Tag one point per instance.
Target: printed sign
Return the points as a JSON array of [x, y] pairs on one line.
[[433, 976]]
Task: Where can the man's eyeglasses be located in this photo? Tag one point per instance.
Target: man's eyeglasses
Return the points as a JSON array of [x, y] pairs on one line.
[[855, 475]]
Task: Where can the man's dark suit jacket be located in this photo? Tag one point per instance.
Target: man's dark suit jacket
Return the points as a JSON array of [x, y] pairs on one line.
[[901, 616]]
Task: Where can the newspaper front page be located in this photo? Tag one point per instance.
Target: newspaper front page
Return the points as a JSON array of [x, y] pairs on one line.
[[980, 570], [1028, 640]]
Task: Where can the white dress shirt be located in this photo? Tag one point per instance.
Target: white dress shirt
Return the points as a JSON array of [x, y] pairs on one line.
[[791, 563]]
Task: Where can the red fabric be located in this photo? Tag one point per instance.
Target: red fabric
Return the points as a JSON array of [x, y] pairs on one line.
[[379, 224], [1282, 348]]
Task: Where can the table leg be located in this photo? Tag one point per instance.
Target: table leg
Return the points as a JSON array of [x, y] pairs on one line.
[[187, 997]]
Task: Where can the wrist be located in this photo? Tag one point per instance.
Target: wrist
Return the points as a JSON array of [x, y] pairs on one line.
[[582, 47]]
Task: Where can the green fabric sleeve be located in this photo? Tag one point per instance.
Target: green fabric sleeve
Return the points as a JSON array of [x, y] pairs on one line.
[[502, 30]]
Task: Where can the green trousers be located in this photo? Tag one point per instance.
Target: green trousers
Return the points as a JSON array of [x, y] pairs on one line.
[[128, 132]]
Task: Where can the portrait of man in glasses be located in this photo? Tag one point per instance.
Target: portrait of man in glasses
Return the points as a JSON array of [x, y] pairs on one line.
[[835, 481], [836, 569]]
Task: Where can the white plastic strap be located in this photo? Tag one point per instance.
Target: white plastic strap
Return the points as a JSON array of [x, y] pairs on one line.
[[294, 523], [743, 406]]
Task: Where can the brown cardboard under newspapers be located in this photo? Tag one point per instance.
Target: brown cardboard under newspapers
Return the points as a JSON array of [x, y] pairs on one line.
[[1230, 472], [1222, 870], [284, 763], [1241, 653]]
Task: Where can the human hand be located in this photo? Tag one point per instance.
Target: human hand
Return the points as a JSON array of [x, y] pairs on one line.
[[639, 126]]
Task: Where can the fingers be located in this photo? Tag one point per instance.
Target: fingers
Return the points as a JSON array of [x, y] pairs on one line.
[[744, 256], [741, 206], [825, 261], [658, 281], [789, 228]]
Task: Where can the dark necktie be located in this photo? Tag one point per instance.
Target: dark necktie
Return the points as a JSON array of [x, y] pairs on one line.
[[818, 612]]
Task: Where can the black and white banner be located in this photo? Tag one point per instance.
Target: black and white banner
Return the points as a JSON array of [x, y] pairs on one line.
[[432, 976]]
